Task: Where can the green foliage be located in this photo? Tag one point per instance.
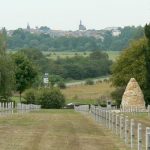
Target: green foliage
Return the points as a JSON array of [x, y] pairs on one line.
[[51, 98], [25, 72], [79, 67], [147, 61], [6, 75], [147, 31], [127, 35], [31, 96], [61, 85], [47, 98], [6, 71], [117, 95], [55, 79], [131, 63], [37, 58], [3, 39], [89, 82]]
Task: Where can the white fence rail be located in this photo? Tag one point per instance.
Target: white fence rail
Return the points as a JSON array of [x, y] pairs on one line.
[[10, 108], [134, 134]]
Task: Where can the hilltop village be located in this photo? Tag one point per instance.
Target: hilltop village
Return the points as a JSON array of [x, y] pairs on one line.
[[82, 31]]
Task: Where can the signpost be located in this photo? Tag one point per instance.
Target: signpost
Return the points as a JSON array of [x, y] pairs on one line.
[[46, 80]]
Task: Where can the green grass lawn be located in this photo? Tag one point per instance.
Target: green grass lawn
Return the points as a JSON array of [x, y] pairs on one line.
[[54, 55], [55, 130]]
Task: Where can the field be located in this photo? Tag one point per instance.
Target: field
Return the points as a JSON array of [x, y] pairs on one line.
[[82, 94], [87, 93], [54, 55], [54, 130]]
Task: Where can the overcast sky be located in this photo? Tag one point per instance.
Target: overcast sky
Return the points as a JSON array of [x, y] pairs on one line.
[[66, 14]]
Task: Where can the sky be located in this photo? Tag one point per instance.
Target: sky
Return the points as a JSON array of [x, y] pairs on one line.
[[66, 14]]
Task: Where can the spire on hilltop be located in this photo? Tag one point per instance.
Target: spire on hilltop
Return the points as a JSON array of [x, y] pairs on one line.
[[81, 26], [28, 27], [80, 22]]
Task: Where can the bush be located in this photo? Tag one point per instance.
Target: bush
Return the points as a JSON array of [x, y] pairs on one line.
[[102, 100], [51, 98], [47, 98], [89, 82], [55, 79], [61, 85], [30, 96], [117, 95]]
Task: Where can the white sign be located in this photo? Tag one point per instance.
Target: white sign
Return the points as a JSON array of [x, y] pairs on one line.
[[45, 80]]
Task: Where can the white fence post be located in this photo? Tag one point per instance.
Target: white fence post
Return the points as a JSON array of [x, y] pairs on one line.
[[139, 136], [109, 120], [113, 122], [132, 133], [126, 129], [117, 123], [147, 138], [121, 126]]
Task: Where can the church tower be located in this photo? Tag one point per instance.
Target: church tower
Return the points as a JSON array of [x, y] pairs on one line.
[[81, 26], [28, 27]]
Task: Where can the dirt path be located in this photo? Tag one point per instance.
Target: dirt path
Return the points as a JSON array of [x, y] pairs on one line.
[[54, 130]]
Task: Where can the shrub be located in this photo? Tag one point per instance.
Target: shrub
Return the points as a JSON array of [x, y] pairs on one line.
[[51, 98], [61, 85], [117, 95], [30, 96], [102, 100], [89, 82], [55, 79]]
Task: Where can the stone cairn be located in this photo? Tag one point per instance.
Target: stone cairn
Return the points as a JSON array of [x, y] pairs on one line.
[[133, 96]]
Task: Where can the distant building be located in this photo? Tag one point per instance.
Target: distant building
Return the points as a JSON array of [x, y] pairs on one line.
[[81, 26], [114, 30], [28, 27]]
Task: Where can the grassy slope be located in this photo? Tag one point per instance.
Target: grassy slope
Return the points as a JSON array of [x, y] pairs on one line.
[[83, 94], [87, 93], [54, 130]]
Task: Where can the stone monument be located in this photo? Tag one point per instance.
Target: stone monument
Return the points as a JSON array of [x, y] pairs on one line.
[[133, 96]]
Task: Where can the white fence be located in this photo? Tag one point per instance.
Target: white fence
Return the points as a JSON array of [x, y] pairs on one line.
[[135, 109], [10, 108], [6, 107], [134, 134], [27, 107]]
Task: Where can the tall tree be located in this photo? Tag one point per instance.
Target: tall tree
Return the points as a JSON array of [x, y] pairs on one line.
[[6, 69], [131, 63], [25, 72], [147, 59], [3, 39]]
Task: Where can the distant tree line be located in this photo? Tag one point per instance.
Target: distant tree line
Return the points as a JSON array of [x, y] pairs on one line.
[[78, 67], [22, 39]]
